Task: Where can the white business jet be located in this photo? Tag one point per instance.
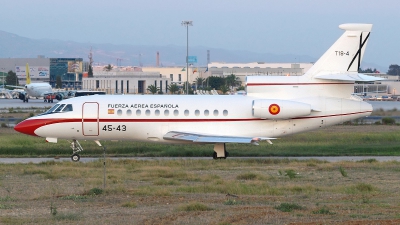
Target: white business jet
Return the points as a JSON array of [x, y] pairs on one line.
[[274, 106], [33, 89]]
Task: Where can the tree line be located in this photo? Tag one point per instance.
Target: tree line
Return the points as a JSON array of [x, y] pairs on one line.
[[394, 69], [223, 84]]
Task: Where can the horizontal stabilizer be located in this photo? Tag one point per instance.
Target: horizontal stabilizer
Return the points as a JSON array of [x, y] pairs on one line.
[[349, 77], [206, 138]]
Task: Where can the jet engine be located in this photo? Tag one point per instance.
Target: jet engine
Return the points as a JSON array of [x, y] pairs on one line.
[[279, 109]]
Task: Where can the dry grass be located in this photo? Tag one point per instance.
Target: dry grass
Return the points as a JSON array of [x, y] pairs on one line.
[[231, 191]]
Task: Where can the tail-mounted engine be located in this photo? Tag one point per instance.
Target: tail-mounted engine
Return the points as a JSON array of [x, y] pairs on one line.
[[279, 109]]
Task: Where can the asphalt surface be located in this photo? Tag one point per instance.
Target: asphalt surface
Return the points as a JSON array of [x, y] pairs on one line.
[[91, 159]]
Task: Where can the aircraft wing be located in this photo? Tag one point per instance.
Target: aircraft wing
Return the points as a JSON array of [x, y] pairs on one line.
[[20, 87], [209, 138]]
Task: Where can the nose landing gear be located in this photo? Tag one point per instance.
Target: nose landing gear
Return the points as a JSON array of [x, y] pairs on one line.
[[76, 147]]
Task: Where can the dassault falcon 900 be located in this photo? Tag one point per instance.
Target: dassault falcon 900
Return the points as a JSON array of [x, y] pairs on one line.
[[274, 106]]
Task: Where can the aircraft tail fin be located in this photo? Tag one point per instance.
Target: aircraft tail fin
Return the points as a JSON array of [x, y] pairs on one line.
[[345, 55], [28, 76]]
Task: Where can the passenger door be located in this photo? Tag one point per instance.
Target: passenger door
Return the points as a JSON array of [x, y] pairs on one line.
[[90, 119]]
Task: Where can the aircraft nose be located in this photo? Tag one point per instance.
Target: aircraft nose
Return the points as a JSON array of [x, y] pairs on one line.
[[28, 127]]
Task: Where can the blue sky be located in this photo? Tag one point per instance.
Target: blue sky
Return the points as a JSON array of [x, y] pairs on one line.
[[306, 27]]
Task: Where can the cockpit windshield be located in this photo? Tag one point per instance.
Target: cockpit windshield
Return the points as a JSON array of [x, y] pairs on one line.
[[59, 108]]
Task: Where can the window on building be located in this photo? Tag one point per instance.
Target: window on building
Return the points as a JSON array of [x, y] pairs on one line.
[[172, 77], [161, 85], [179, 77], [127, 86]]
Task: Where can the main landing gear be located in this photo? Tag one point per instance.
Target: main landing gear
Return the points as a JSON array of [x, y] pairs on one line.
[[220, 151], [76, 147]]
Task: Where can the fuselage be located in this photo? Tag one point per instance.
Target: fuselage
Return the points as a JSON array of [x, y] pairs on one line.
[[37, 89], [150, 117]]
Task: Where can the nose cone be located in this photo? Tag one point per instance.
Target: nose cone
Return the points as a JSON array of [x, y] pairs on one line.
[[28, 126]]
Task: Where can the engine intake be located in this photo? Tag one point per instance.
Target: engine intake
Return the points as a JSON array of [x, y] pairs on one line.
[[279, 109]]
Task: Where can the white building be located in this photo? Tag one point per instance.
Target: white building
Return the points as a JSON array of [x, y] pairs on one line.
[[125, 82], [242, 70]]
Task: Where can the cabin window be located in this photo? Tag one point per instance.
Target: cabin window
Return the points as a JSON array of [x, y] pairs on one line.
[[225, 112], [157, 112], [215, 113], [148, 112], [138, 112], [119, 112], [129, 112], [206, 112], [197, 112], [176, 112], [186, 112], [166, 112]]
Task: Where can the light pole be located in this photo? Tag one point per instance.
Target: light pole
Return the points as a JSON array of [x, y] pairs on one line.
[[187, 23]]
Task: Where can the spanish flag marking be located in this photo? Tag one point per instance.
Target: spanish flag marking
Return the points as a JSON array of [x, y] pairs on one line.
[[274, 109], [110, 111]]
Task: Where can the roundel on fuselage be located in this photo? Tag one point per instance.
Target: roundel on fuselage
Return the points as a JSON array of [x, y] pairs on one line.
[[274, 109]]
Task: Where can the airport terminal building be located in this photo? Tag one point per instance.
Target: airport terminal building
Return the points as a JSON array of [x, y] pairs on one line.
[[47, 69]]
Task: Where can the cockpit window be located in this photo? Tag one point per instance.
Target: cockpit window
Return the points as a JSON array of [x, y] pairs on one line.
[[67, 108], [59, 108], [53, 108]]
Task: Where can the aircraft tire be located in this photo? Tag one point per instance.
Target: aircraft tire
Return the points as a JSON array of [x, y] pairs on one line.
[[75, 157], [215, 155]]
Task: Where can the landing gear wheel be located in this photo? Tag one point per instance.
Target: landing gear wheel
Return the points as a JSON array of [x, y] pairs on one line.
[[75, 157], [215, 155], [226, 154]]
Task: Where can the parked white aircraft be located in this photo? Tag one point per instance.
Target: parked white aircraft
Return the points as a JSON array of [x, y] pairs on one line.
[[33, 89], [274, 106]]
